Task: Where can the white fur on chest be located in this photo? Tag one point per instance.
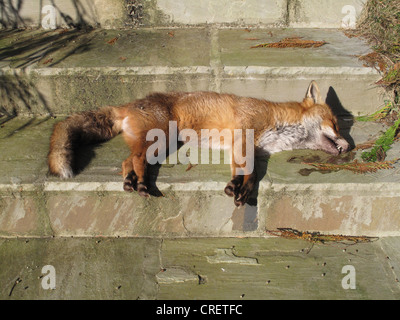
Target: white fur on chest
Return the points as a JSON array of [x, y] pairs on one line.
[[282, 138]]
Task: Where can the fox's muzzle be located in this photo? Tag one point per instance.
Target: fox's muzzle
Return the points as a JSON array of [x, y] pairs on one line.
[[335, 146]]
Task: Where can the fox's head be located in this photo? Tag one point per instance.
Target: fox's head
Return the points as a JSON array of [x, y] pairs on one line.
[[323, 130]]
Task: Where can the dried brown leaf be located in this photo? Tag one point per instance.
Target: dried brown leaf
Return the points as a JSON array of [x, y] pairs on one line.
[[112, 41], [315, 237], [293, 42], [355, 166], [48, 61]]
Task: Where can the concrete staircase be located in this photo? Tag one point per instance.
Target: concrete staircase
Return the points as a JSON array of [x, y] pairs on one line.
[[164, 45]]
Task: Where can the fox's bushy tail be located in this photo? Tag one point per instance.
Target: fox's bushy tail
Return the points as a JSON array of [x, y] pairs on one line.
[[80, 128]]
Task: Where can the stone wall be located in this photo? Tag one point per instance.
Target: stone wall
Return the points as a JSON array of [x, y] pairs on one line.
[[166, 13]]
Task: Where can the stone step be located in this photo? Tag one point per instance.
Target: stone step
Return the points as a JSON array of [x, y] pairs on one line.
[[167, 13], [198, 269], [60, 72], [188, 203]]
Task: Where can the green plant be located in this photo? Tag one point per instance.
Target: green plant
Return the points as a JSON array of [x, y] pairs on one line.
[[380, 24], [378, 115], [382, 145]]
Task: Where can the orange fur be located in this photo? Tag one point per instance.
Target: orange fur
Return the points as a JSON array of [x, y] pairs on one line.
[[275, 125]]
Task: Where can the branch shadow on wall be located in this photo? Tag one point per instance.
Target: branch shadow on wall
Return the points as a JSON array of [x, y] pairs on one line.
[[33, 47], [23, 48], [11, 15], [17, 95]]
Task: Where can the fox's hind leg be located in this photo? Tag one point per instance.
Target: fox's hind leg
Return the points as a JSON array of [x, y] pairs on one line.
[[139, 163], [134, 168], [130, 177]]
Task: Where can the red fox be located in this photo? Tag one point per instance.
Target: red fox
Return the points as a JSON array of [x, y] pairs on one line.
[[309, 124]]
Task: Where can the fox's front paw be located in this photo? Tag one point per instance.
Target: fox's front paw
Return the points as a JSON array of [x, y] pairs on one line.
[[242, 196], [240, 191], [233, 186], [142, 190]]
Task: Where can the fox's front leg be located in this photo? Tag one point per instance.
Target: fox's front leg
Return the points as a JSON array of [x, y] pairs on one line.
[[134, 169], [243, 180]]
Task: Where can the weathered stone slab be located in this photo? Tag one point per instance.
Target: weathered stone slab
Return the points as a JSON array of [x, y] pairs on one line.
[[189, 203], [134, 268], [60, 72]]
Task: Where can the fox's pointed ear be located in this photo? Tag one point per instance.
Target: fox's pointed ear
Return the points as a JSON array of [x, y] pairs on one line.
[[314, 93]]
